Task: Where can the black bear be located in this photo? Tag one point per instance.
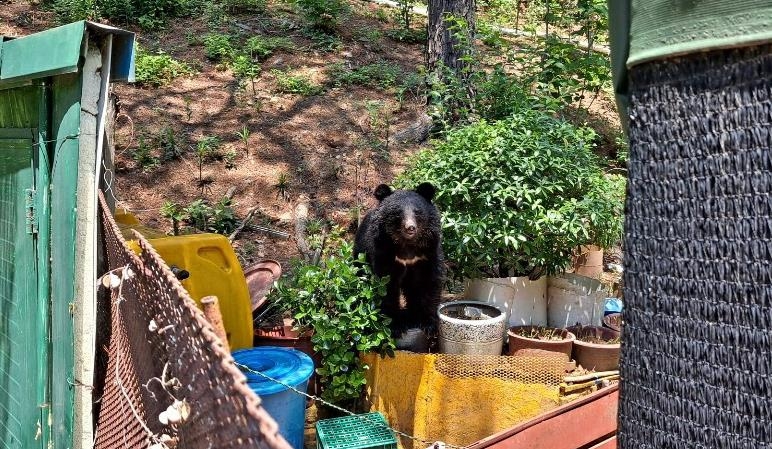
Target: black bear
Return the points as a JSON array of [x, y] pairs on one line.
[[401, 239]]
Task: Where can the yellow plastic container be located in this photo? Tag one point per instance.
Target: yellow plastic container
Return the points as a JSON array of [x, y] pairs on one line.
[[214, 270]]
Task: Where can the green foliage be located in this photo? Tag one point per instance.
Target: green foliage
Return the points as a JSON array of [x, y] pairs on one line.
[[243, 135], [144, 157], [339, 299], [408, 36], [170, 148], [219, 47], [242, 6], [282, 186], [381, 73], [519, 194], [148, 14], [323, 15], [173, 212], [219, 218], [244, 68], [230, 159], [158, 69], [261, 47], [294, 84], [323, 41], [563, 71]]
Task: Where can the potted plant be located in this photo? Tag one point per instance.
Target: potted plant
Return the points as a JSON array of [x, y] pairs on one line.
[[523, 339], [338, 298], [470, 327], [518, 195], [596, 348]]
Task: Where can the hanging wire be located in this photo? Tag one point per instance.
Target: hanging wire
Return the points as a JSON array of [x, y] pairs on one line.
[[426, 443]]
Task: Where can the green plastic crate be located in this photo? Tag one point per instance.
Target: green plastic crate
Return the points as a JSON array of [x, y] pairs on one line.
[[355, 432]]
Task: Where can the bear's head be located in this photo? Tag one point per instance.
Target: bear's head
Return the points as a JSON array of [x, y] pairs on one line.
[[408, 216]]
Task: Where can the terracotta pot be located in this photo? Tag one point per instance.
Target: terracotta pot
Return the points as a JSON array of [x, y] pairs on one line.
[[519, 344], [286, 337], [596, 356], [588, 261], [613, 321], [260, 278]]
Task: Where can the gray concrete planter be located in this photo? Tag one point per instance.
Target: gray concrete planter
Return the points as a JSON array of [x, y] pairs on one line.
[[462, 334]]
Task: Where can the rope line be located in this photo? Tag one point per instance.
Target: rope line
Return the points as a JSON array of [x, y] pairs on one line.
[[348, 412]]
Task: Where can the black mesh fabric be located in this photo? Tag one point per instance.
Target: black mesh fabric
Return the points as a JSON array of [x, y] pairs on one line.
[[697, 353]]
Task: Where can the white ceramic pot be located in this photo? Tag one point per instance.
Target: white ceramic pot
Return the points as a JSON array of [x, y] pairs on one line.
[[523, 301], [574, 299], [460, 334]]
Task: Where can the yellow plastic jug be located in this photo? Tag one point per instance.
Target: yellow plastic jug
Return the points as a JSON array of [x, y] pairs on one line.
[[214, 270]]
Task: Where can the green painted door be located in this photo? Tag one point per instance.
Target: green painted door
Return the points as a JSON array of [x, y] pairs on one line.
[[22, 350]]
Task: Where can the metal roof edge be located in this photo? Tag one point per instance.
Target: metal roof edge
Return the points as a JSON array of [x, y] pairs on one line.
[[59, 50], [122, 61]]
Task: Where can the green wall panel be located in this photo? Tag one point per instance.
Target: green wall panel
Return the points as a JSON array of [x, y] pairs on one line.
[[22, 351]]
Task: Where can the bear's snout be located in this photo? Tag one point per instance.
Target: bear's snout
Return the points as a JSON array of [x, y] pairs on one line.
[[409, 226]]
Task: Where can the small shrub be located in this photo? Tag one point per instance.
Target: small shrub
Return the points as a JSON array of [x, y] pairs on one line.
[[167, 141], [219, 47], [517, 195], [294, 84], [323, 15], [144, 157], [339, 299], [173, 212], [219, 218], [241, 6], [323, 41], [148, 14], [381, 73], [158, 69], [230, 159], [408, 36], [261, 47], [244, 68]]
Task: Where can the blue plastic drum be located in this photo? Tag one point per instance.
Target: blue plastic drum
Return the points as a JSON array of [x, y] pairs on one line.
[[289, 366]]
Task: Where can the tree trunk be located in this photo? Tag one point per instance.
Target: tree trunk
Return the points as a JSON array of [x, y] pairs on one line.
[[443, 47]]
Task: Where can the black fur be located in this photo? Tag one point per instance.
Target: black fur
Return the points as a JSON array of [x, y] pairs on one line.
[[405, 225]]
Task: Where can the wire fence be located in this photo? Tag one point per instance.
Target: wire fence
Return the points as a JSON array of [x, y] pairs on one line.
[[168, 380]]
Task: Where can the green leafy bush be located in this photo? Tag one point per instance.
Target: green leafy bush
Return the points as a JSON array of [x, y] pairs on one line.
[[519, 194], [220, 218], [381, 73], [158, 69], [339, 299], [148, 14], [241, 6], [323, 15], [261, 47], [219, 47], [294, 84]]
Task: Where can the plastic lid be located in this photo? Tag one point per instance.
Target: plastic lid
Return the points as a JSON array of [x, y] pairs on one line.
[[284, 364], [613, 305]]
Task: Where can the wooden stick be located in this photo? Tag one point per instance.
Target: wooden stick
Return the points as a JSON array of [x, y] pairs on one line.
[[214, 316], [564, 388], [589, 376], [244, 223]]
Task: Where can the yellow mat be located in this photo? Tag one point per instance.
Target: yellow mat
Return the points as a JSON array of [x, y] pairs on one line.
[[461, 399]]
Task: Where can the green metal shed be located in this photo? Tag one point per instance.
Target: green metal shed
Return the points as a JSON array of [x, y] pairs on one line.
[[53, 101]]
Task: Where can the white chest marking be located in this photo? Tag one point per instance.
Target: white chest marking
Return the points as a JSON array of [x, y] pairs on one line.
[[410, 261]]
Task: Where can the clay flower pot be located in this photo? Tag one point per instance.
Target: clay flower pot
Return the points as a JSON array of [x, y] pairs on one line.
[[471, 327], [260, 278], [596, 348], [523, 339]]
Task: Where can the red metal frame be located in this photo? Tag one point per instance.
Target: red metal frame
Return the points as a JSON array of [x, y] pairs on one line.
[[587, 423]]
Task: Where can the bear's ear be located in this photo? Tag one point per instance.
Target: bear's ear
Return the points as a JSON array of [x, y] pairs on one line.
[[382, 191], [426, 190]]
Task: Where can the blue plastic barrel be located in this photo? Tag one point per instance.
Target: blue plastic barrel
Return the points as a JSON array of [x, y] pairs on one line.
[[292, 368]]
